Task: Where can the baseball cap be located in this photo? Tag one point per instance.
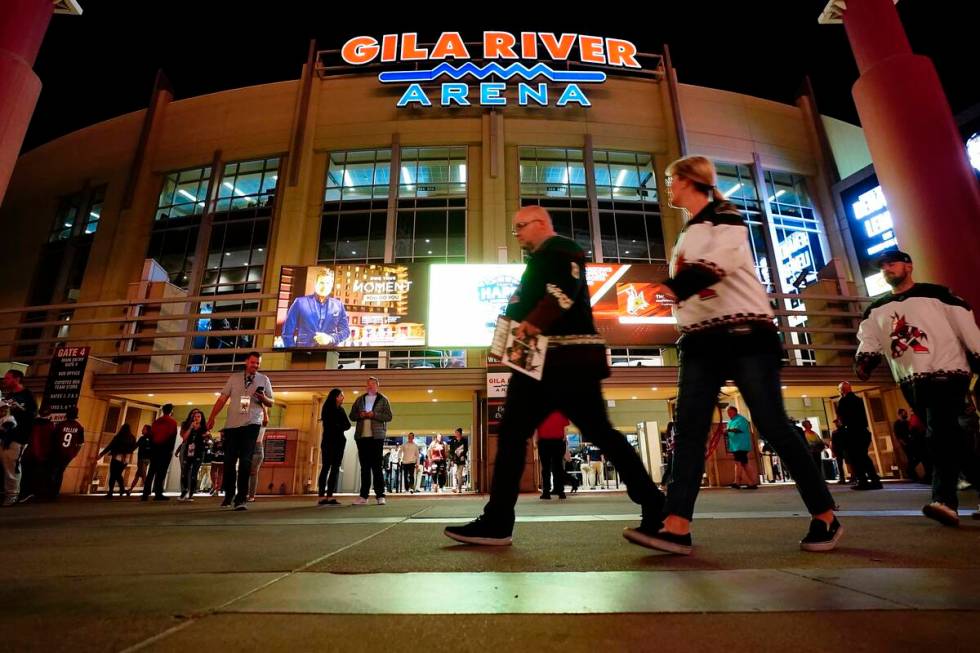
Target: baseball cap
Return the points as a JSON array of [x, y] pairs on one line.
[[894, 256]]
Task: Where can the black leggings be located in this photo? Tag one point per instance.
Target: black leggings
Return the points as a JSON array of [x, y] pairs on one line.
[[116, 469], [331, 456]]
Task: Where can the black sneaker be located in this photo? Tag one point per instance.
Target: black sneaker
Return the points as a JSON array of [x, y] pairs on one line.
[[650, 535], [545, 497], [481, 531], [25, 498], [226, 503], [241, 506], [161, 498], [821, 537], [561, 496], [941, 513]]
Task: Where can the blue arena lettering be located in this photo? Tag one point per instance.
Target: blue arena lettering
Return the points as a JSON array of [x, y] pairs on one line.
[[573, 93], [414, 94], [490, 94], [525, 93], [455, 93]]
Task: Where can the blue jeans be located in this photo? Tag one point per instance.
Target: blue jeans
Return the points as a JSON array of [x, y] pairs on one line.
[[755, 370]]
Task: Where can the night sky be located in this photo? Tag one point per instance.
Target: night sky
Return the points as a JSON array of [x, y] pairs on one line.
[[102, 64]]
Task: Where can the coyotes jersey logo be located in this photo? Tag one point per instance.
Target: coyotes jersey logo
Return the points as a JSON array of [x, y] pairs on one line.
[[707, 293], [906, 337]]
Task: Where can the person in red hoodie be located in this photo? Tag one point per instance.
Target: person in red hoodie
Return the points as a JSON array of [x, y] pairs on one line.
[[35, 461], [66, 442], [163, 437], [551, 450]]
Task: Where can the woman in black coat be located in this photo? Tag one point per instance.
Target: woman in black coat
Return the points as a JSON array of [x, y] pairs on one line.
[[335, 424]]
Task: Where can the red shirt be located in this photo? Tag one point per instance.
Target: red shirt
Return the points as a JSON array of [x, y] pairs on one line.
[[68, 438], [163, 430], [39, 446], [553, 427]]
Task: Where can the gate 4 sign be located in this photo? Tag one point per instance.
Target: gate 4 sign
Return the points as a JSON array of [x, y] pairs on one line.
[[64, 384], [521, 58]]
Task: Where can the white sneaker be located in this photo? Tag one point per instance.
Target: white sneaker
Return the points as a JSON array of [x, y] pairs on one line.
[[381, 501], [359, 501]]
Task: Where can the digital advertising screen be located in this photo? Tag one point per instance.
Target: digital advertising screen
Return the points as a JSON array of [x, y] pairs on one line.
[[351, 305], [465, 300], [627, 303]]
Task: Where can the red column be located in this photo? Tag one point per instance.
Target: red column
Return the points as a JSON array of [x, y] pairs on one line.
[[917, 150], [22, 27]]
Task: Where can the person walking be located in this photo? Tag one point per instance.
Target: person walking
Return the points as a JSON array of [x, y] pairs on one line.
[[120, 448], [191, 452], [551, 452], [552, 299], [727, 332], [932, 343], [163, 438]]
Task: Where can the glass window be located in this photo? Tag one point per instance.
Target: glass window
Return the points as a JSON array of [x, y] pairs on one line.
[[629, 209], [434, 358], [225, 324], [736, 183], [184, 193], [93, 213], [66, 218], [431, 215], [354, 218], [554, 178], [797, 230]]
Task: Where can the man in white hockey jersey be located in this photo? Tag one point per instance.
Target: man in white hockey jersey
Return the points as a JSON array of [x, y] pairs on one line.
[[932, 343]]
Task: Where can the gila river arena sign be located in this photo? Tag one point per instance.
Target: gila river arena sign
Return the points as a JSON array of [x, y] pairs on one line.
[[539, 66]]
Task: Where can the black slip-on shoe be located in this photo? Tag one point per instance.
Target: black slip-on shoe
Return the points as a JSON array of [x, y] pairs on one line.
[[652, 537], [481, 531], [821, 537]]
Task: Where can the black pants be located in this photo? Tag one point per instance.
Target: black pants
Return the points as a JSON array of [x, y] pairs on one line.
[[408, 475], [32, 476], [552, 454], [56, 478], [116, 469], [370, 453], [239, 448], [857, 456], [160, 456], [331, 455], [580, 400], [939, 402]]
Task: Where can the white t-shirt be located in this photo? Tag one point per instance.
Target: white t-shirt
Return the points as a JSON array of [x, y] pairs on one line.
[[364, 430]]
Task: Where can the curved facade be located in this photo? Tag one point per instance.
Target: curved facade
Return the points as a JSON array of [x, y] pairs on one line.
[[209, 197]]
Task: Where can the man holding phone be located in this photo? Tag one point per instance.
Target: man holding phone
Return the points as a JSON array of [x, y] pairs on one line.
[[249, 392]]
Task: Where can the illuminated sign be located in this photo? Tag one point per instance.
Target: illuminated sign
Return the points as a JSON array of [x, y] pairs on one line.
[[505, 58], [872, 229]]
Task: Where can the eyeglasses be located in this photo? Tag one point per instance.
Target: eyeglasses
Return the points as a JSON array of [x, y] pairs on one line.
[[520, 225]]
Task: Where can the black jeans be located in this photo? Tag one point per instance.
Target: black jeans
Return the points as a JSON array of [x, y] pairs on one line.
[[160, 456], [370, 453], [580, 400], [756, 372], [116, 469], [408, 475], [239, 448], [939, 402], [552, 454], [331, 455], [857, 455]]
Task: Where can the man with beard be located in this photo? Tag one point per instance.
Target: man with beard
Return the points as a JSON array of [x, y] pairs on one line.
[[932, 344]]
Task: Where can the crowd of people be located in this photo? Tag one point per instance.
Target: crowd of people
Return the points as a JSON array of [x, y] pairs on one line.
[[927, 335]]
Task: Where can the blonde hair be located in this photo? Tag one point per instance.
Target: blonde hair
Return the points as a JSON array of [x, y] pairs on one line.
[[700, 171]]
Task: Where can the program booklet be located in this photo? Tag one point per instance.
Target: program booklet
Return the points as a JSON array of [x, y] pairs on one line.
[[526, 356]]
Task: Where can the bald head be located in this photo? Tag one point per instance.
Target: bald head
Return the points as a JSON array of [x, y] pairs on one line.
[[532, 226]]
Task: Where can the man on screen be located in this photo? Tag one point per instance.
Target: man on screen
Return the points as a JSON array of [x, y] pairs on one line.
[[316, 320]]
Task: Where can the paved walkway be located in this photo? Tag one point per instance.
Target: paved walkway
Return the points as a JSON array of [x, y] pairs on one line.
[[90, 574]]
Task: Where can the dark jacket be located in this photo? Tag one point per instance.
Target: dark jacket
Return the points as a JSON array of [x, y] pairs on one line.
[[553, 295], [121, 445], [23, 409], [850, 410], [335, 423], [382, 415]]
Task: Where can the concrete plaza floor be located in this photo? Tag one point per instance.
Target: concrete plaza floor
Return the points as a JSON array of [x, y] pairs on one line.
[[87, 574]]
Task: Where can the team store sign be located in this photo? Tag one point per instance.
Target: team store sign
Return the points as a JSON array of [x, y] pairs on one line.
[[504, 56]]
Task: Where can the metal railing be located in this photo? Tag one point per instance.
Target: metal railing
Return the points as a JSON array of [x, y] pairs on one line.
[[129, 331]]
